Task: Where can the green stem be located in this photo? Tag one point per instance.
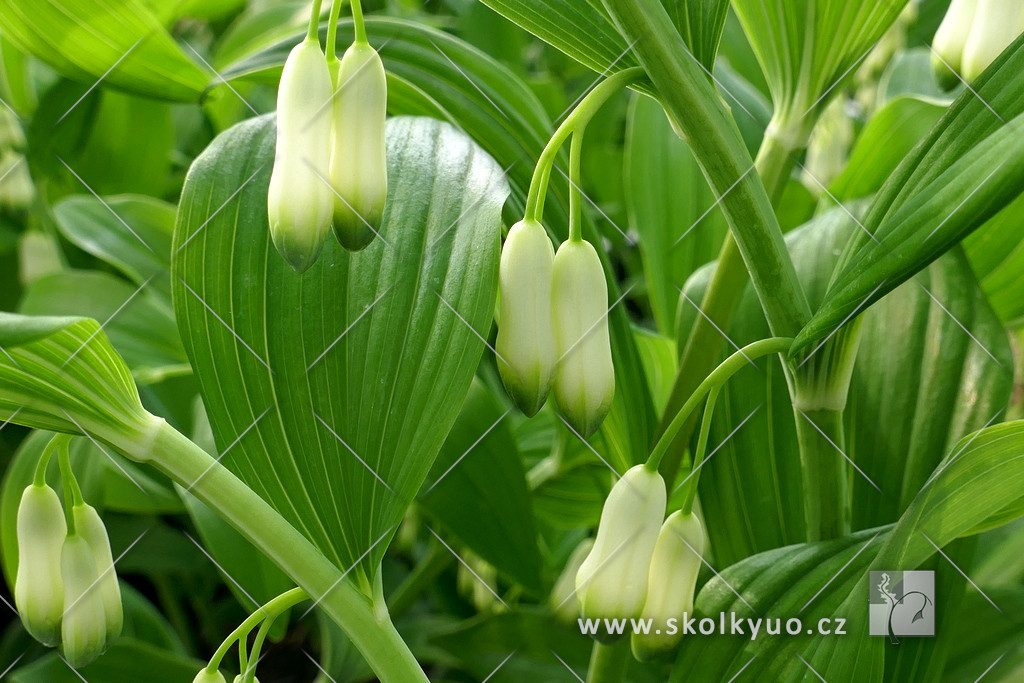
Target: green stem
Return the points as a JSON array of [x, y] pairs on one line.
[[357, 20], [826, 497], [312, 32], [729, 367], [581, 115], [575, 191], [72, 492], [39, 479], [608, 663], [373, 634], [704, 343], [718, 147], [690, 494], [332, 30], [272, 608]]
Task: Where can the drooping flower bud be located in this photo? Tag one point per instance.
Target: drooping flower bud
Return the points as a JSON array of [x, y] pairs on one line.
[[359, 172], [89, 526], [84, 627], [563, 601], [584, 374], [16, 188], [299, 202], [38, 590], [671, 583], [526, 340], [612, 581], [996, 24], [950, 40], [207, 676]]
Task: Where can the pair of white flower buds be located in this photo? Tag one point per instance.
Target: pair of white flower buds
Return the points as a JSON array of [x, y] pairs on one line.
[[972, 35], [330, 165]]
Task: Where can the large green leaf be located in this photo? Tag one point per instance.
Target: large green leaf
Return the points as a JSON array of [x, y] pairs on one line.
[[700, 22], [344, 380], [996, 252], [120, 42], [127, 661]]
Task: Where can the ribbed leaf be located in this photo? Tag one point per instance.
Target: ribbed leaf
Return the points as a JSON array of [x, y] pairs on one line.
[[996, 253], [700, 23], [121, 42], [349, 376]]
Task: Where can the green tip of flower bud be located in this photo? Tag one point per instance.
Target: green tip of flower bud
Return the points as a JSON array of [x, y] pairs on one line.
[[89, 526], [671, 583], [612, 581], [359, 173], [299, 200], [38, 590], [84, 627], [207, 676], [585, 374], [950, 39], [526, 342]]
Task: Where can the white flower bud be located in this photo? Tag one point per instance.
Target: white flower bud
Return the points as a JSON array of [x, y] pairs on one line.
[[207, 676], [612, 581], [16, 188], [89, 526], [38, 590], [239, 678], [359, 172], [84, 628], [671, 583], [526, 341], [584, 374], [299, 202], [563, 601], [997, 23], [949, 42]]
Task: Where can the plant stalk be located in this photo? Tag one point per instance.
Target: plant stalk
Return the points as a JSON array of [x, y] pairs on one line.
[[373, 634], [608, 663], [826, 496]]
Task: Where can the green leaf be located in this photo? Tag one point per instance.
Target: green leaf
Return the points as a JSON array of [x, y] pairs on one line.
[[996, 253], [121, 43], [987, 644], [700, 23], [477, 490], [345, 379], [127, 661]]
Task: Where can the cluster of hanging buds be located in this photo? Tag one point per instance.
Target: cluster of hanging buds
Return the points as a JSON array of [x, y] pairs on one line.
[[330, 165], [972, 35], [16, 188], [248, 657], [65, 589]]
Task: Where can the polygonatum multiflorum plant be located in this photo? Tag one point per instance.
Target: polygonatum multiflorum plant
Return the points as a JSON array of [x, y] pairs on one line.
[[618, 340]]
